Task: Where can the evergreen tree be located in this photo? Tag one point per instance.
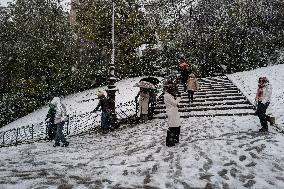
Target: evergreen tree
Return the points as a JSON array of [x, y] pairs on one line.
[[94, 23]]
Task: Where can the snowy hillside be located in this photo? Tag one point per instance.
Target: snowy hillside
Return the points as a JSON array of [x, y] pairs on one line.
[[80, 103], [217, 152], [247, 82]]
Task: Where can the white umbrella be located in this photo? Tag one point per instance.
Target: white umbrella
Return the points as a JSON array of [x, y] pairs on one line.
[[145, 84]]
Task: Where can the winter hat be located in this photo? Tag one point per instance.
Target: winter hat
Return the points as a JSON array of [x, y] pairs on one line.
[[263, 79], [100, 94], [191, 75], [170, 88], [55, 101]]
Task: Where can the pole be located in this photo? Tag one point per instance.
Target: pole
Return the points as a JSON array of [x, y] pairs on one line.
[[111, 81]]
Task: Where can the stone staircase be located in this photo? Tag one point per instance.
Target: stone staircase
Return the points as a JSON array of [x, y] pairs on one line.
[[217, 96]]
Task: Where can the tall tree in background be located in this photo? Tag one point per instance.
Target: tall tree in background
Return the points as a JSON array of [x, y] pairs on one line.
[[241, 35], [93, 24], [36, 56]]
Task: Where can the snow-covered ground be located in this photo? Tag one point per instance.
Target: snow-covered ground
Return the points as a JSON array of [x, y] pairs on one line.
[[220, 152]]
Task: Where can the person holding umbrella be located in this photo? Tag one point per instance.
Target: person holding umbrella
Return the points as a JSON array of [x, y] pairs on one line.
[[184, 72], [152, 93], [144, 97]]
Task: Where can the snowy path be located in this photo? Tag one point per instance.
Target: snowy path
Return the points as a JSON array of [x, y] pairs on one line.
[[220, 152]]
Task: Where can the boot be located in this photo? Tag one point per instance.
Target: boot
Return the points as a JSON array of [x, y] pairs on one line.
[[263, 129], [56, 144], [271, 120], [65, 144], [176, 135]]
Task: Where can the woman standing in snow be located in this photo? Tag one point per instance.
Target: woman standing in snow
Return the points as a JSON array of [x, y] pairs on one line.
[[59, 119], [143, 103], [262, 99], [192, 86], [171, 103]]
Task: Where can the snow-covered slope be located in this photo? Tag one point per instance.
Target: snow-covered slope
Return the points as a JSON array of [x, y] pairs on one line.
[[221, 152], [247, 82], [80, 103]]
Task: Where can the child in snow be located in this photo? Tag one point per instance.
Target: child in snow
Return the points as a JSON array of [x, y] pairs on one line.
[[50, 126]]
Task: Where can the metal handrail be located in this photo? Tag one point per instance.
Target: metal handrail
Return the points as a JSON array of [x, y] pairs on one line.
[[76, 124]]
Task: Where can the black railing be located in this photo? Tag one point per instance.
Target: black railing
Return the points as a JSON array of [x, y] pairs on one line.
[[76, 124]]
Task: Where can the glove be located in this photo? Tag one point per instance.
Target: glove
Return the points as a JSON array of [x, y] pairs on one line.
[[178, 99]]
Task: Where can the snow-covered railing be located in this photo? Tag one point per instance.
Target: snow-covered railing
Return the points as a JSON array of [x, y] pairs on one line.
[[124, 110], [76, 124]]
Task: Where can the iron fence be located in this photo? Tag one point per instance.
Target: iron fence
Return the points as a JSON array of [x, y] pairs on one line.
[[76, 124]]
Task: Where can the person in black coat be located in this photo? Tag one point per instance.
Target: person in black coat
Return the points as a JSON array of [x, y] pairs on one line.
[[106, 124]]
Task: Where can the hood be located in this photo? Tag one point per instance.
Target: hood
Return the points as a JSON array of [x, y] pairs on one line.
[[55, 101], [191, 75]]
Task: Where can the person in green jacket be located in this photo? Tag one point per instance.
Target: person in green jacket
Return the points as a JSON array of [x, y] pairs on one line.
[[50, 125]]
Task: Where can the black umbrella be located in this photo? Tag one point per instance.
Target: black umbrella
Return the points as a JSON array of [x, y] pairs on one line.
[[152, 80]]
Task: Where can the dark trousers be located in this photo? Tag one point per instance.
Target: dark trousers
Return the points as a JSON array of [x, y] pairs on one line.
[[190, 95], [106, 120], [172, 136], [261, 113], [59, 133], [51, 131]]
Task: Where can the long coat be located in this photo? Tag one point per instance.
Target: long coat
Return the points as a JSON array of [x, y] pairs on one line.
[[143, 102], [192, 83], [172, 110]]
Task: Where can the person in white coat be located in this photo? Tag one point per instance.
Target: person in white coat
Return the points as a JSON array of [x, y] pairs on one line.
[[262, 99], [143, 103], [171, 103], [59, 119]]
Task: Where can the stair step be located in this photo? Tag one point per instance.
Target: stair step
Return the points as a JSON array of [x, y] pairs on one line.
[[213, 89], [164, 116], [204, 98], [208, 108], [217, 92], [183, 105]]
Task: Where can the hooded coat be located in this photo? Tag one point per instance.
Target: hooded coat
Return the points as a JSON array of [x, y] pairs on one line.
[[61, 114], [143, 102], [192, 83], [172, 110]]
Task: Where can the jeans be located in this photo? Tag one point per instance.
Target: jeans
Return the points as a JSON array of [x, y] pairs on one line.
[[261, 113], [59, 133], [105, 120]]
